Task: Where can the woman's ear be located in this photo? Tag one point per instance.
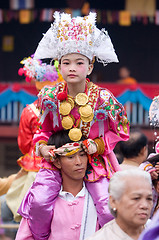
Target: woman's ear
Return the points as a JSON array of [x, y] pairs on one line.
[[112, 202], [90, 68], [57, 163]]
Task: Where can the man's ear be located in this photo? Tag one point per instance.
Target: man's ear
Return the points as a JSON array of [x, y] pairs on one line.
[[90, 68], [57, 163], [143, 150]]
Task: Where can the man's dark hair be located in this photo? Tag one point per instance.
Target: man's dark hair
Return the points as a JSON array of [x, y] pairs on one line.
[[60, 138], [133, 146]]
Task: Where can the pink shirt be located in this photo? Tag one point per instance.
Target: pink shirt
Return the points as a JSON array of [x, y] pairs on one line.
[[66, 223], [67, 219]]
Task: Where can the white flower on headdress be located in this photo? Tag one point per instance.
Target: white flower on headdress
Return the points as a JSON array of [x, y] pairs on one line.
[[76, 35]]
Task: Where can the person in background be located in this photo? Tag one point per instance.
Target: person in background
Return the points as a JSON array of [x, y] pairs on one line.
[[151, 165], [15, 186], [125, 77], [130, 201], [5, 183], [134, 151]]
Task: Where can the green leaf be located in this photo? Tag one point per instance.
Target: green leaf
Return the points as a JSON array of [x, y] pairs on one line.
[[113, 113], [107, 107], [116, 107], [51, 95], [111, 101]]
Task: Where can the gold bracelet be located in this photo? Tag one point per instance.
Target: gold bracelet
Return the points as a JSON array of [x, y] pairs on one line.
[[100, 145], [41, 143], [41, 146], [148, 165]]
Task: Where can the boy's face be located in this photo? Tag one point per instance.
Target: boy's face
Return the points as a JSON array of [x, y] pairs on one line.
[[73, 167], [75, 67]]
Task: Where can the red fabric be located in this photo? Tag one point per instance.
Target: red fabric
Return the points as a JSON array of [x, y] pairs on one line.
[[27, 128], [30, 88], [150, 90]]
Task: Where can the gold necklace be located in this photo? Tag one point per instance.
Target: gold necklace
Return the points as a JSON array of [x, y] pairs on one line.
[[68, 120]]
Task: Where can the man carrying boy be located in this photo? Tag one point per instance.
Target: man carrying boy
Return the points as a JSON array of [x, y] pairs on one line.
[[75, 215]]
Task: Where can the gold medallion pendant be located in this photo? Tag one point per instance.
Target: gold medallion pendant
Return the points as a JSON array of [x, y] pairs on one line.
[[85, 111], [81, 99], [75, 134], [87, 119], [67, 122], [65, 108], [71, 101]]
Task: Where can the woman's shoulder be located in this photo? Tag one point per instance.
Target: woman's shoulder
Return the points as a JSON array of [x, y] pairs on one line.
[[104, 233]]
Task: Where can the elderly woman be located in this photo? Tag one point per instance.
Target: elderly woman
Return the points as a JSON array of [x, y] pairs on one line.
[[130, 201]]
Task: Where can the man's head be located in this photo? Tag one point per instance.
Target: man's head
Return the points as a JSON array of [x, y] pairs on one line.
[[124, 72], [136, 146], [71, 159]]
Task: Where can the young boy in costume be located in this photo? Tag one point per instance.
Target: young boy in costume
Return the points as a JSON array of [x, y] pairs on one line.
[[80, 107], [75, 216]]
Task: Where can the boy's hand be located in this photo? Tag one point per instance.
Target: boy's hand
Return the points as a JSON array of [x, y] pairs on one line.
[[44, 150], [154, 175], [89, 146], [157, 167], [52, 155], [157, 187]]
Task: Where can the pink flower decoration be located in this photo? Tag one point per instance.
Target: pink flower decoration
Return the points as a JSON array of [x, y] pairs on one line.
[[100, 115]]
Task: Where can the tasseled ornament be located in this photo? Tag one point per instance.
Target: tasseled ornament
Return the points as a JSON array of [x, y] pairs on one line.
[[62, 96]]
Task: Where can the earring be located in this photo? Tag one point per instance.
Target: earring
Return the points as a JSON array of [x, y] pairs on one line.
[[114, 209]]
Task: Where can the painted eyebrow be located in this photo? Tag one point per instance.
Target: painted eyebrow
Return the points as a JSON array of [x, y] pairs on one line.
[[66, 59], [80, 59]]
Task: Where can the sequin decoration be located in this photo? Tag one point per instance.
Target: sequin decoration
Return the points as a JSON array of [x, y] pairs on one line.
[[154, 112]]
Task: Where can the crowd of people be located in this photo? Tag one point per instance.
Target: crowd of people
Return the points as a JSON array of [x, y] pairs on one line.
[[71, 185]]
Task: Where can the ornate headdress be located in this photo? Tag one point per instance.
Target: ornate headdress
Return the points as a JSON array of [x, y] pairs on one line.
[[40, 73], [69, 149], [76, 35], [154, 120]]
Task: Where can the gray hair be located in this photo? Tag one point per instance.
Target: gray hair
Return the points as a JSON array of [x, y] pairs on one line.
[[118, 183]]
